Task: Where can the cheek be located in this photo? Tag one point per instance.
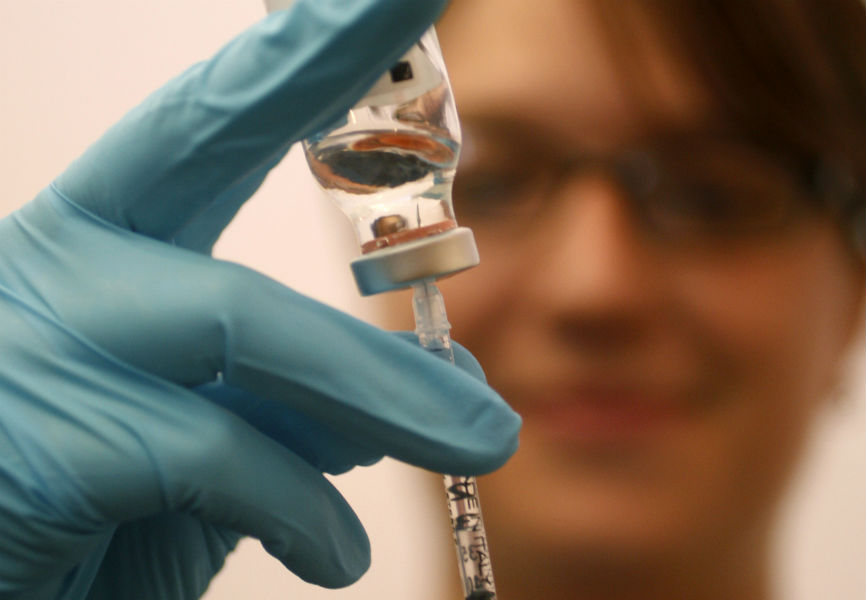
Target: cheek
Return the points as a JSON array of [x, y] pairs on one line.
[[774, 322], [477, 303], [773, 329], [393, 310]]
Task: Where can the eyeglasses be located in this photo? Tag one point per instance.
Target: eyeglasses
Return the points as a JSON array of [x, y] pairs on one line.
[[681, 191]]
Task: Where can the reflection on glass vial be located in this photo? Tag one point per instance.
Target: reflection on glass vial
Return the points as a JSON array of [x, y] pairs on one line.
[[395, 153]]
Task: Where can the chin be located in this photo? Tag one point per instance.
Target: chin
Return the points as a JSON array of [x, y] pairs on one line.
[[551, 504], [610, 529]]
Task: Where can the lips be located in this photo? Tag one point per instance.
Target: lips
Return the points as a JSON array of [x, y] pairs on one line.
[[604, 414]]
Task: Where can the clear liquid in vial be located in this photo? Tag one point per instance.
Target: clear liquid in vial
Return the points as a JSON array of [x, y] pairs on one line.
[[387, 163], [394, 184]]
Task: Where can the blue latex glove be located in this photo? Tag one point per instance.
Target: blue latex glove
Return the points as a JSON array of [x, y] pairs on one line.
[[156, 404]]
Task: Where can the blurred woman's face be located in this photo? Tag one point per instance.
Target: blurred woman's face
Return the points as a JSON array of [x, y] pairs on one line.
[[667, 373]]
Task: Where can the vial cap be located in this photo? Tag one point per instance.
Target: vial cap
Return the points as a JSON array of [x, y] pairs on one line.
[[401, 266]]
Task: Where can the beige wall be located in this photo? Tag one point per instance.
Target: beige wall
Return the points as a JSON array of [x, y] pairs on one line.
[[71, 68]]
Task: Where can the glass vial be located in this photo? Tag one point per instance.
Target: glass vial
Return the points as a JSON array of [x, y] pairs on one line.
[[390, 162]]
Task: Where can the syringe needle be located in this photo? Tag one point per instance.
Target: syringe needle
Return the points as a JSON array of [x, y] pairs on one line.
[[470, 538]]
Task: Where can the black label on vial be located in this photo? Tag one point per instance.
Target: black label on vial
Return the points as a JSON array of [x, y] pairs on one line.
[[402, 71]]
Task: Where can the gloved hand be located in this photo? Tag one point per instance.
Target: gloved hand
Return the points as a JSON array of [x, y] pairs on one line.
[[155, 403]]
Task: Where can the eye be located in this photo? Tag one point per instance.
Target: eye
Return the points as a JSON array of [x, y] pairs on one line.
[[724, 193], [727, 207], [493, 193]]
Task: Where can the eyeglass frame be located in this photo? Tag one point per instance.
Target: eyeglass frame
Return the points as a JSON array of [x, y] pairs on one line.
[[817, 184]]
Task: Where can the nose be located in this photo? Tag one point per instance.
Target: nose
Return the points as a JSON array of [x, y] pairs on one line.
[[596, 277]]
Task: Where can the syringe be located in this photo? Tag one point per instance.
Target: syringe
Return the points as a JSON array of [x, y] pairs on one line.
[[470, 539], [389, 166]]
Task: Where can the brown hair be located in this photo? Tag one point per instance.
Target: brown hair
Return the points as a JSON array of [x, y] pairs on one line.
[[791, 73]]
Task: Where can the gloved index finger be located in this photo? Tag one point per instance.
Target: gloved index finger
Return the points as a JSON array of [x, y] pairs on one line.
[[367, 385], [208, 129]]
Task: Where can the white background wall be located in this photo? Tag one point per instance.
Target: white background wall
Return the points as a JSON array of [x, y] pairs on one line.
[[69, 68]]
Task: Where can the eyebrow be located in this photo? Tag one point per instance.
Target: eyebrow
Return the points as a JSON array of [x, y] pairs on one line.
[[502, 127], [509, 136]]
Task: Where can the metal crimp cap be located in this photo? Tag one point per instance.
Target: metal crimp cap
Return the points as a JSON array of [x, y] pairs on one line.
[[408, 263]]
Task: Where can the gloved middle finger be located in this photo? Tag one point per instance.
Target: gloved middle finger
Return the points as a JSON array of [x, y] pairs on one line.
[[163, 164]]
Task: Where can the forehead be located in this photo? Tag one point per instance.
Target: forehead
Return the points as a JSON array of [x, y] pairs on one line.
[[551, 63]]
